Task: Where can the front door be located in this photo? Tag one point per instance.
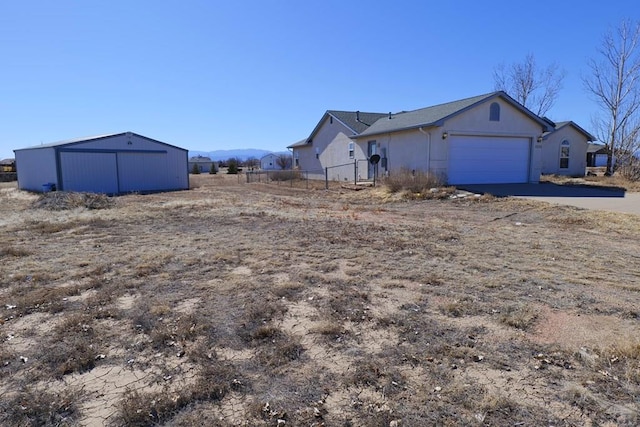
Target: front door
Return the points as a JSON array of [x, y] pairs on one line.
[[372, 148]]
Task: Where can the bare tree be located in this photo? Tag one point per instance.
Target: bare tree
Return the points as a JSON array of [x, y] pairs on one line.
[[252, 162], [535, 88], [284, 161], [615, 84]]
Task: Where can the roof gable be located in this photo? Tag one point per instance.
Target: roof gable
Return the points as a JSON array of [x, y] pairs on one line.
[[561, 125], [355, 121], [301, 143], [438, 114], [94, 138]]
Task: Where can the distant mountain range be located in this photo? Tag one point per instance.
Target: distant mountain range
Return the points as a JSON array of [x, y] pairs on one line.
[[242, 154]]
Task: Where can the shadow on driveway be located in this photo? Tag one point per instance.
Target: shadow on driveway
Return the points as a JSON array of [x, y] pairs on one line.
[[544, 189]]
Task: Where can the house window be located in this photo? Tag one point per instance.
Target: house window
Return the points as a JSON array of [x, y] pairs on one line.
[[494, 112], [351, 150], [564, 154]]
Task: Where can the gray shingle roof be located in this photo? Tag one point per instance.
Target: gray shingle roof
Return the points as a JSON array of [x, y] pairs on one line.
[[300, 143], [435, 115], [356, 120], [597, 148]]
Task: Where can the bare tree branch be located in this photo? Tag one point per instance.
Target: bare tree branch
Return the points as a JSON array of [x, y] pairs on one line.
[[535, 88], [614, 83], [284, 161]]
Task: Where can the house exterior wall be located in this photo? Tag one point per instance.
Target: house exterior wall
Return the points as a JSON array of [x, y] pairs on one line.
[[329, 148], [578, 146], [402, 150], [512, 123], [36, 167], [426, 150]]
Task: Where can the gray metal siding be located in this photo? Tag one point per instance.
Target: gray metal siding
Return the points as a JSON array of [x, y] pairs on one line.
[[87, 171], [35, 168], [143, 172], [113, 164]]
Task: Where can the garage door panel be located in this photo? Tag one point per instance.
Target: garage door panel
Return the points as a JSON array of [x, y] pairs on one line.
[[143, 172], [486, 160], [90, 172]]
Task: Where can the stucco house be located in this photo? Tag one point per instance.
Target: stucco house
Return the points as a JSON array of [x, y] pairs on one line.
[[488, 138], [565, 148]]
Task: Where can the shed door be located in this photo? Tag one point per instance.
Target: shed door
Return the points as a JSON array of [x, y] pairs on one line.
[[143, 171], [488, 160], [91, 172]]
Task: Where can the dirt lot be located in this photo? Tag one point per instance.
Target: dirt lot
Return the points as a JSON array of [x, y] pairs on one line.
[[260, 305]]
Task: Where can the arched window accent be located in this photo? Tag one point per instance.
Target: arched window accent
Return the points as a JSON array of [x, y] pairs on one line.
[[564, 154], [494, 112]]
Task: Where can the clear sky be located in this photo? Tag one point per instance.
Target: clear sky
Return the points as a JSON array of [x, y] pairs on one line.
[[208, 74]]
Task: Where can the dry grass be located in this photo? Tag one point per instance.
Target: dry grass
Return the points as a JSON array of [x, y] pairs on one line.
[[617, 181], [244, 304]]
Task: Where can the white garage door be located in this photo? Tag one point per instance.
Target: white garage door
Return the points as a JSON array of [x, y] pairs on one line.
[[488, 160]]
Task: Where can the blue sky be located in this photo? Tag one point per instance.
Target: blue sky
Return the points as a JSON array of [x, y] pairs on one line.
[[208, 75]]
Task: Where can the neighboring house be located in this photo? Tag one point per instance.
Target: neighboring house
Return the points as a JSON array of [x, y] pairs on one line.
[[112, 164], [204, 164], [484, 139], [8, 165], [597, 155], [565, 148], [273, 161], [7, 170]]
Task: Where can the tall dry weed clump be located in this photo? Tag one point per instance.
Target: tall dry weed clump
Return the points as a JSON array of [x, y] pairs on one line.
[[285, 175], [414, 182]]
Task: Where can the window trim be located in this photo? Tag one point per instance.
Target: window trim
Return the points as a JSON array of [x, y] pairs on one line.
[[564, 159], [351, 149], [494, 112]]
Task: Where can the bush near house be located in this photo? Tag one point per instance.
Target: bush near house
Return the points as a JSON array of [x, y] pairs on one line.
[[412, 181]]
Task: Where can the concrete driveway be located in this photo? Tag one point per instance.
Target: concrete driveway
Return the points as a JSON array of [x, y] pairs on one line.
[[611, 199]]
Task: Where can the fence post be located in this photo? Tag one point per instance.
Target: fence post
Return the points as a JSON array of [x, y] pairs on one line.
[[306, 173], [355, 172], [326, 178]]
